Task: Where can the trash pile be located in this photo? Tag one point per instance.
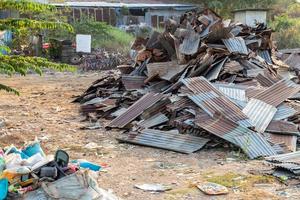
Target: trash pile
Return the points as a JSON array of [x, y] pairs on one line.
[[202, 79], [31, 175], [100, 59]]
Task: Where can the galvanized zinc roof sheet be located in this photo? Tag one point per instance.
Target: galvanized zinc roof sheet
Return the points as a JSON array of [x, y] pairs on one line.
[[229, 131], [136, 109], [236, 45], [166, 140], [260, 114]]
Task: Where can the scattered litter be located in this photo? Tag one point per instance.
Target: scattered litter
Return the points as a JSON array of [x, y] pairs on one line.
[[213, 188], [29, 174], [153, 187]]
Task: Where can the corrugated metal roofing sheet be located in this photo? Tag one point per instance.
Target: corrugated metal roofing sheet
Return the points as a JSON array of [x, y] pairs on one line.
[[166, 140], [264, 81], [260, 114], [236, 45], [233, 91], [133, 82], [293, 157], [213, 101], [213, 74], [254, 145], [190, 43], [278, 92], [136, 109], [165, 70], [284, 112], [288, 141], [295, 168], [283, 127], [265, 54], [229, 131], [155, 120]]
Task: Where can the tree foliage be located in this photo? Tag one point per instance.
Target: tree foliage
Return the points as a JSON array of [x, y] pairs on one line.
[[287, 27], [11, 64]]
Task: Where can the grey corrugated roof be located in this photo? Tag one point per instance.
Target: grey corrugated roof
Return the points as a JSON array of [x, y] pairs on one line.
[[254, 145], [155, 120], [236, 45], [230, 131], [260, 114], [165, 140]]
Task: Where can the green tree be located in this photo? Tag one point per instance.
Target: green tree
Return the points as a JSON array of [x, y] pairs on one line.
[[11, 64]]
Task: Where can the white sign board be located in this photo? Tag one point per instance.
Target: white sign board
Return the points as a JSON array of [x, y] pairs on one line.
[[83, 43]]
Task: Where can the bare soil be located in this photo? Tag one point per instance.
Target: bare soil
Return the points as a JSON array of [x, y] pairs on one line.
[[44, 110]]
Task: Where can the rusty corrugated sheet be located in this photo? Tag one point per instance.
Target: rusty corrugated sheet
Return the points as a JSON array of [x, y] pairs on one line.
[[213, 101], [288, 141], [166, 140], [236, 45], [154, 120], [260, 114], [229, 131], [136, 109], [165, 70], [283, 127], [278, 92], [264, 81], [133, 82]]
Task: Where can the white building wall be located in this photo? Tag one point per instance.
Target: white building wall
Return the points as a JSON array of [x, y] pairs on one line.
[[256, 16], [249, 17]]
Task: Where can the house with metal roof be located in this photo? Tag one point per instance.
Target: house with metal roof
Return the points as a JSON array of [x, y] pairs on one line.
[[118, 14]]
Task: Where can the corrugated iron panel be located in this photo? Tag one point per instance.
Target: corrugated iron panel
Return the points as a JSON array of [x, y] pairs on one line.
[[260, 114], [278, 92], [284, 112], [229, 131], [213, 101], [136, 109], [165, 70], [264, 81], [166, 140], [233, 91], [294, 168], [190, 43], [133, 82], [213, 74], [236, 45], [155, 120], [283, 127], [293, 61], [293, 157], [288, 141], [254, 145], [266, 56], [254, 72]]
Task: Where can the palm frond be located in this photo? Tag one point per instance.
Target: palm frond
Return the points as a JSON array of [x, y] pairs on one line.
[[8, 89]]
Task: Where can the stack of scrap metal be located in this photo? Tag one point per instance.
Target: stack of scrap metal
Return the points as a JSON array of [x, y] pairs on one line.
[[202, 79]]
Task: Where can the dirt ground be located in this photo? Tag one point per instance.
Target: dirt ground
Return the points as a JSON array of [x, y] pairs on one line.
[[44, 110]]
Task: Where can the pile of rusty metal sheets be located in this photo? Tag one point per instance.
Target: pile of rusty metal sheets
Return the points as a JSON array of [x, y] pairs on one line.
[[202, 80]]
